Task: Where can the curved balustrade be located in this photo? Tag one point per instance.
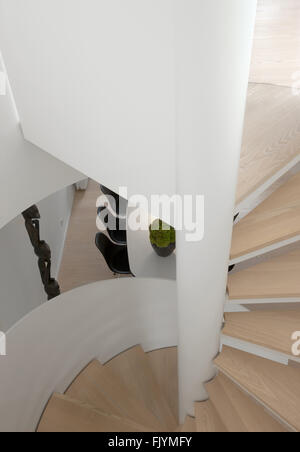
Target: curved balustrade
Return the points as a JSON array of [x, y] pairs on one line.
[[49, 347]]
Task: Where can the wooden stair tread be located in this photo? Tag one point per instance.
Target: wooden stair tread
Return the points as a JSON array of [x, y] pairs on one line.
[[270, 329], [207, 418], [99, 387], [65, 415], [274, 220], [237, 410], [274, 278], [275, 385], [164, 365], [134, 370], [189, 425], [271, 136]]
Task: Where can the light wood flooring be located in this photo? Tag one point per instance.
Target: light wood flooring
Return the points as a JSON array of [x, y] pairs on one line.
[[82, 263], [276, 50]]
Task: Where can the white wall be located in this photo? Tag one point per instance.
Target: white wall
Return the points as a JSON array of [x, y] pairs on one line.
[[94, 85], [21, 289], [27, 174], [213, 49], [55, 214]]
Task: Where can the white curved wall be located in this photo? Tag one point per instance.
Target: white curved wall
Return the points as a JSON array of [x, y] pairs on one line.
[[47, 349], [20, 281], [213, 43], [27, 174], [102, 89], [94, 85]]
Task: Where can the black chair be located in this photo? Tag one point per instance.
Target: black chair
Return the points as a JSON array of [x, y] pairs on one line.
[[232, 267], [119, 234], [120, 203], [116, 256], [102, 214]]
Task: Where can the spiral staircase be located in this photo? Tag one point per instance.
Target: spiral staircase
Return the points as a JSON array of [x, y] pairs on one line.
[[104, 357], [257, 384], [250, 394], [256, 389]]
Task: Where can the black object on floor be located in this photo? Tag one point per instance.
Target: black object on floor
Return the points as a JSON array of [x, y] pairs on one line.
[[116, 256], [117, 232], [120, 206]]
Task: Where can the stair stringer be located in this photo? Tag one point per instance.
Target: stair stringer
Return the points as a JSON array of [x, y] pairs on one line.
[[257, 350], [265, 190], [258, 401]]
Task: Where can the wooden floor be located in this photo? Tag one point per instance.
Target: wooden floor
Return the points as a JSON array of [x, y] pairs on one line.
[[82, 263], [278, 277], [272, 124], [275, 385], [97, 386], [268, 329], [239, 413], [134, 369], [207, 419], [271, 135], [135, 391], [273, 221], [66, 415], [189, 425], [276, 51], [164, 365]]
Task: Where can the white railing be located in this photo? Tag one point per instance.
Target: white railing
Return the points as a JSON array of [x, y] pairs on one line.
[[49, 347]]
